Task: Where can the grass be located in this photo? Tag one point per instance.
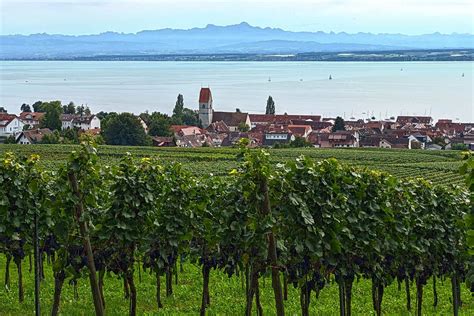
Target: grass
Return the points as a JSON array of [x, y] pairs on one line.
[[227, 296]]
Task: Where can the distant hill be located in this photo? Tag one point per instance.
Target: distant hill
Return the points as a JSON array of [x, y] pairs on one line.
[[212, 39]]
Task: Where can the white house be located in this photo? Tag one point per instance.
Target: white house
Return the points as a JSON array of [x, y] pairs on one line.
[[83, 122], [32, 136], [10, 125], [31, 118]]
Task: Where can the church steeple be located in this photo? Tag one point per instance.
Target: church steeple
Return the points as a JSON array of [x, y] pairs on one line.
[[205, 107]]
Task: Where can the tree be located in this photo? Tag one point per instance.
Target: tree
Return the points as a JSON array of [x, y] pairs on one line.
[[125, 129], [38, 106], [25, 108], [190, 117], [299, 142], [52, 138], [51, 119], [179, 106], [339, 125], [87, 111], [70, 108], [270, 106], [3, 110], [10, 140], [159, 124], [243, 127], [80, 110]]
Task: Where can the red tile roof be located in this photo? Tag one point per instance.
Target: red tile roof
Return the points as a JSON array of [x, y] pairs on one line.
[[35, 135], [230, 118], [6, 119], [205, 95], [414, 119], [282, 118], [35, 116], [299, 130]]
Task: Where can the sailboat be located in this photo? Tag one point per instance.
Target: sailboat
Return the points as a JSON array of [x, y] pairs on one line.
[[462, 74], [330, 77], [269, 79]]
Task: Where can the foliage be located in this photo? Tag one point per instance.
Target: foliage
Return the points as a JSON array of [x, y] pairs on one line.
[[270, 109], [25, 108], [313, 222], [339, 124], [159, 124], [467, 169], [440, 167], [51, 118], [125, 129], [38, 107], [10, 140], [299, 142], [243, 127], [52, 138], [3, 110], [70, 108], [179, 106], [459, 146]]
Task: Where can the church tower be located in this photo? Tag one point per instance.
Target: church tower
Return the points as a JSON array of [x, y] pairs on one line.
[[205, 107]]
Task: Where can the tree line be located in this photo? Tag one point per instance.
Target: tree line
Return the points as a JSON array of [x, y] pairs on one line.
[[302, 223]]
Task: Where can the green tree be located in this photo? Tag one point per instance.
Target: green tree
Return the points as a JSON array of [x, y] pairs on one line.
[[52, 138], [270, 106], [179, 106], [38, 106], [105, 117], [243, 127], [10, 140], [125, 129], [80, 110], [190, 117], [339, 125], [87, 111], [70, 108], [159, 124], [51, 119], [25, 108], [2, 110], [459, 146], [300, 142]]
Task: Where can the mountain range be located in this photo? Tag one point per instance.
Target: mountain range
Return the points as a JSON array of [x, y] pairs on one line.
[[212, 39]]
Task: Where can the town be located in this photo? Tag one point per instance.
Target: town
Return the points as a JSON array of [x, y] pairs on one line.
[[45, 123]]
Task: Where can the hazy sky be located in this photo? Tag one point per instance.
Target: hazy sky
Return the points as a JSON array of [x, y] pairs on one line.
[[378, 16]]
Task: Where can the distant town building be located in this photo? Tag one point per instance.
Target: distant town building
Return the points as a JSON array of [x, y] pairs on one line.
[[402, 120], [266, 119], [10, 124], [31, 118], [32, 136], [232, 119], [83, 122], [205, 107]]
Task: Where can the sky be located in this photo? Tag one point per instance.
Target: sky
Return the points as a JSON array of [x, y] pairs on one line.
[[129, 16]]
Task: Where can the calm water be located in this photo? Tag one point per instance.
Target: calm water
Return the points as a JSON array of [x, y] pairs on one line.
[[382, 89]]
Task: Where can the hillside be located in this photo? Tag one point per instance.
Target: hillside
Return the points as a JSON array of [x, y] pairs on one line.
[[212, 39]]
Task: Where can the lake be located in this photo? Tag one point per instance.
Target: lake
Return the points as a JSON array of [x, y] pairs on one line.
[[357, 89]]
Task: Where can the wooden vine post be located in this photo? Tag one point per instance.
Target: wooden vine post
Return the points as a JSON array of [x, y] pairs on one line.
[[79, 211]]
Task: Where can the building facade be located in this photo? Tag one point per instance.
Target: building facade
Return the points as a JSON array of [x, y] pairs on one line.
[[205, 107]]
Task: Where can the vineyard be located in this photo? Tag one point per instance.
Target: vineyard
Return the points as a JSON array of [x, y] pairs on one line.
[[280, 233], [440, 167]]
